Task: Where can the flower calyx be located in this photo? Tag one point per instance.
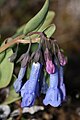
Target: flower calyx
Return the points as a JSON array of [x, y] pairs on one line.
[[25, 58], [14, 55]]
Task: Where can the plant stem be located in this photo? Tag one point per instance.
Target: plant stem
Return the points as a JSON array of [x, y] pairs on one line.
[[15, 41]]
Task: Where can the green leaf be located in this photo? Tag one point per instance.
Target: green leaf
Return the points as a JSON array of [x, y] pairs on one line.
[[2, 55], [46, 23], [48, 20], [38, 19], [35, 23], [20, 30], [13, 96], [6, 69], [50, 30]]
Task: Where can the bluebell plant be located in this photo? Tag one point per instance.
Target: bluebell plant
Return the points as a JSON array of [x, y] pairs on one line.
[[43, 59]]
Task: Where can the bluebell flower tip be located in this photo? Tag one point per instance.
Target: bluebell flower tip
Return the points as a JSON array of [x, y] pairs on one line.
[[51, 102], [55, 105], [17, 85], [28, 100], [52, 97], [45, 102]]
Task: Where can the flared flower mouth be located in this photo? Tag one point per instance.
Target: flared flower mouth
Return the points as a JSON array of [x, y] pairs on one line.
[[28, 100], [52, 97]]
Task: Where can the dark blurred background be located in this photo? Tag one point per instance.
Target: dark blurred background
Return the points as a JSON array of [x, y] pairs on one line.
[[14, 13]]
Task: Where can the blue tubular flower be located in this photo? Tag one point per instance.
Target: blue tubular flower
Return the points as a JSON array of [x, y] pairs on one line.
[[33, 80], [22, 72], [28, 99], [25, 88], [44, 86], [18, 83], [53, 96], [30, 89], [62, 85]]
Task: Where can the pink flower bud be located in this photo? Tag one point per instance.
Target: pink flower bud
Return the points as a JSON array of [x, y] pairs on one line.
[[50, 68], [62, 58]]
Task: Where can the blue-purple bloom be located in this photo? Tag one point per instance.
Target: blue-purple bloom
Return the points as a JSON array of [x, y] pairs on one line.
[[30, 89], [28, 99], [62, 85], [18, 83], [53, 96]]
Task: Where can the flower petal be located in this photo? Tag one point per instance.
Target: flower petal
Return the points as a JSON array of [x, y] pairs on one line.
[[25, 88], [54, 79], [28, 100], [62, 58], [22, 73], [52, 97], [17, 85], [50, 68]]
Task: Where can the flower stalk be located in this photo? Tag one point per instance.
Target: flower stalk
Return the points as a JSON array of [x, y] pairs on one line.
[[16, 41]]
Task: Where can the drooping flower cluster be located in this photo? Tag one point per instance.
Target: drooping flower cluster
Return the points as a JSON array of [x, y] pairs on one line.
[[44, 61]]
